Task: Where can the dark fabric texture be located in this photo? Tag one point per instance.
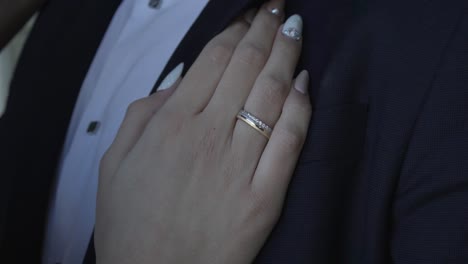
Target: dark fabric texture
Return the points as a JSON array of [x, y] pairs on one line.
[[383, 176], [43, 92]]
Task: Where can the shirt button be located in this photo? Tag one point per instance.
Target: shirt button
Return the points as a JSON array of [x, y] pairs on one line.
[[156, 4], [93, 127]]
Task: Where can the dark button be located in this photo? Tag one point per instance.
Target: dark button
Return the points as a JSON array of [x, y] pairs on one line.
[[93, 127], [156, 4]]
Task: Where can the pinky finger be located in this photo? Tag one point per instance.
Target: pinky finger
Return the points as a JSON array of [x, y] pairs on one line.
[[280, 156]]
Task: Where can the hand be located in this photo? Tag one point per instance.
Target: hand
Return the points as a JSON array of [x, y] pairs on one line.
[[184, 180]]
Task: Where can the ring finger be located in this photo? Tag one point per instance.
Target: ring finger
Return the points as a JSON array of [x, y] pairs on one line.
[[272, 86], [248, 59]]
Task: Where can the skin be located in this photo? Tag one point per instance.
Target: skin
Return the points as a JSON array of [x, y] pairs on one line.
[[13, 15], [184, 181]]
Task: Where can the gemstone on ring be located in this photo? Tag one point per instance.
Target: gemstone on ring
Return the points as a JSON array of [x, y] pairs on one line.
[[255, 123]]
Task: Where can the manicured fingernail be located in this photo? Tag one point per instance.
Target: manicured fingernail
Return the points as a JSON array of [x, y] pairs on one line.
[[275, 11], [293, 27], [302, 82], [275, 7], [171, 78]]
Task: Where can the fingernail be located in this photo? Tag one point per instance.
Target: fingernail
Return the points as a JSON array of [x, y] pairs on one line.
[[302, 82], [275, 11], [293, 27], [275, 7], [172, 77]]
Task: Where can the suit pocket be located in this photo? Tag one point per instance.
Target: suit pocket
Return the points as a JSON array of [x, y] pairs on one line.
[[336, 133]]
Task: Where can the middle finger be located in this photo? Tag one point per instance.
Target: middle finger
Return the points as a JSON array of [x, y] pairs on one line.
[[248, 60]]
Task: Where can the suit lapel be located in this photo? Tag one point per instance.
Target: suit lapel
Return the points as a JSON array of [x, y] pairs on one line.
[[47, 81], [405, 61], [44, 89], [214, 18]]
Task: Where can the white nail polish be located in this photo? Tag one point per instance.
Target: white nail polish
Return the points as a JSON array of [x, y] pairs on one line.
[[293, 27], [171, 78], [275, 11]]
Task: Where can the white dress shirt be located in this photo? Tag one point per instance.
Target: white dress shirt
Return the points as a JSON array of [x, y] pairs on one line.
[[136, 47]]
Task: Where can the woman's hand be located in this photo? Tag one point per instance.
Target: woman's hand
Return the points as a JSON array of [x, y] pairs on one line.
[[187, 182]]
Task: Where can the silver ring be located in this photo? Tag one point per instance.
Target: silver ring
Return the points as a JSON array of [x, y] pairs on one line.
[[255, 123]]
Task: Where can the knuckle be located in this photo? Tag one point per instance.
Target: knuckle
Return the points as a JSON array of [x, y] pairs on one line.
[[260, 207], [302, 108], [219, 52], [169, 122], [252, 54], [290, 140], [171, 115], [275, 89], [137, 107], [238, 28], [208, 142], [230, 174]]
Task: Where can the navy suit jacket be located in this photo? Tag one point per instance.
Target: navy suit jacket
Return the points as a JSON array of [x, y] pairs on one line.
[[383, 177]]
